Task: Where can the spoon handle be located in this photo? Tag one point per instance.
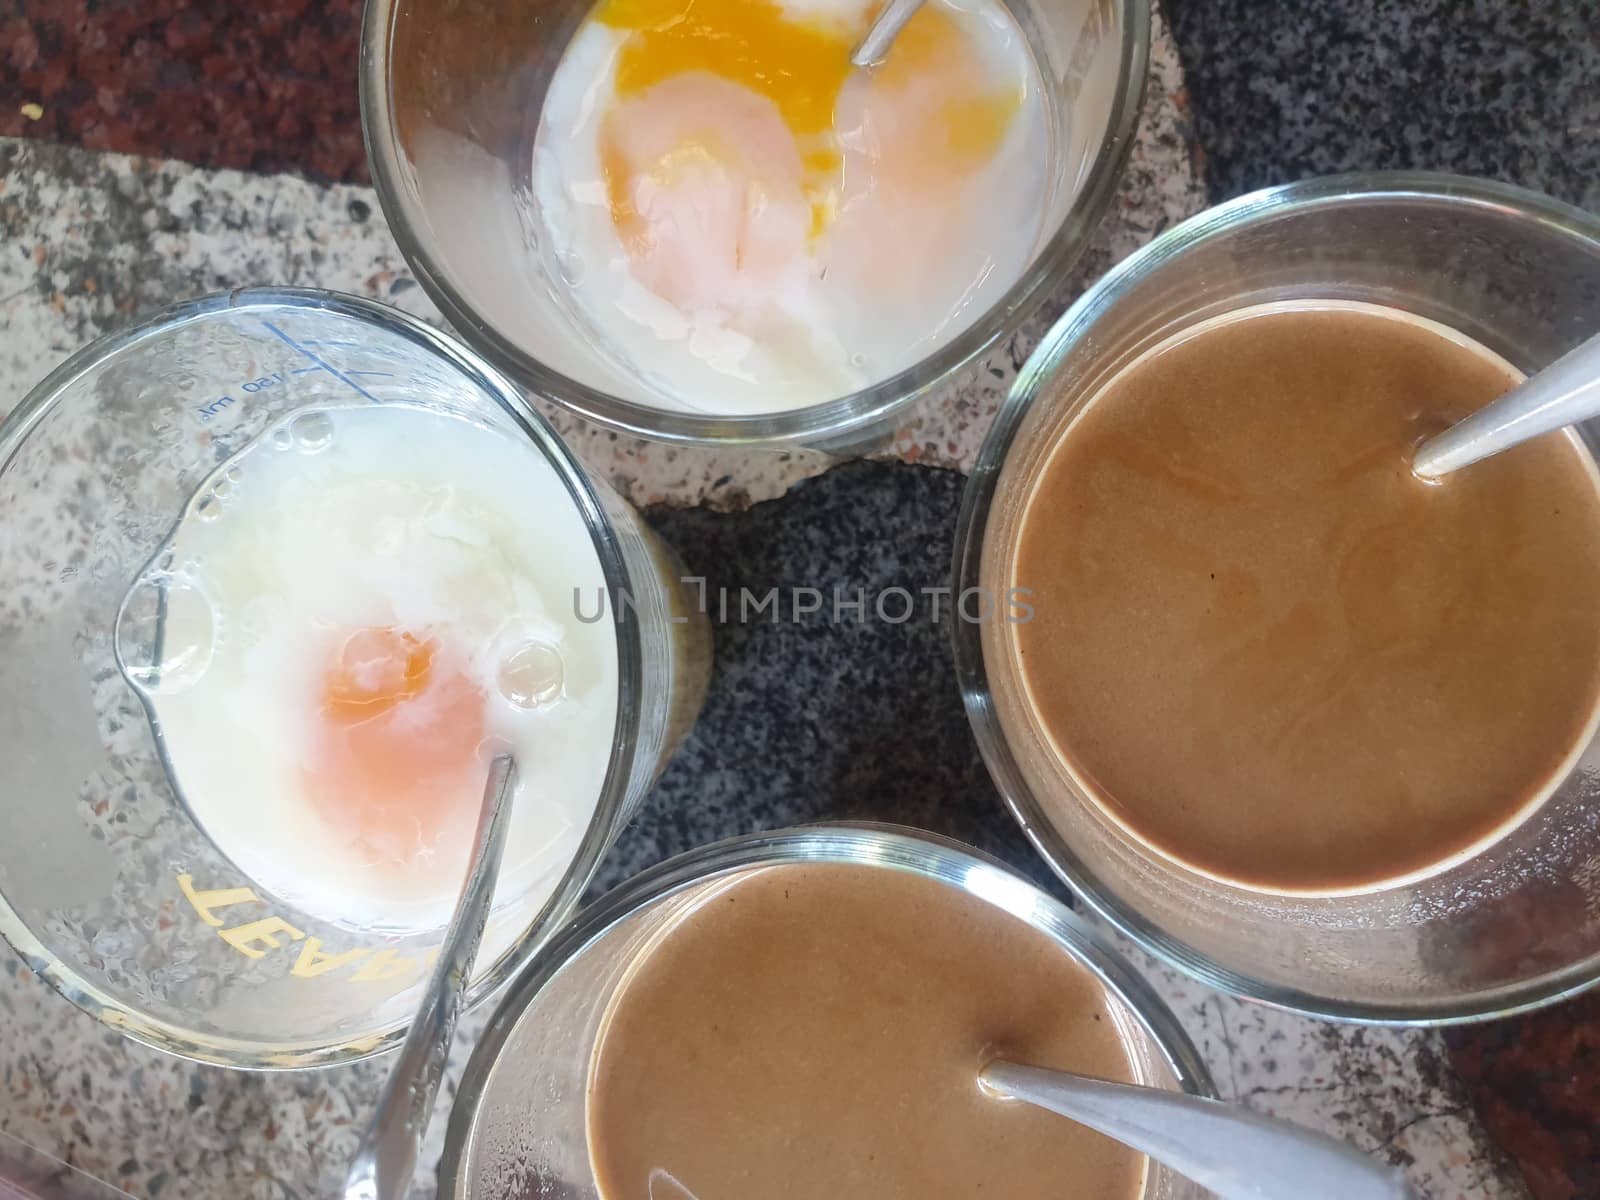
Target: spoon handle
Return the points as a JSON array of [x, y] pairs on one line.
[[1238, 1154], [387, 1156], [1565, 392], [875, 46]]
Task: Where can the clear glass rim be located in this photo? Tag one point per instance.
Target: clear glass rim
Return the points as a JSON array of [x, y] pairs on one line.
[[195, 1045], [863, 844], [977, 498], [833, 421]]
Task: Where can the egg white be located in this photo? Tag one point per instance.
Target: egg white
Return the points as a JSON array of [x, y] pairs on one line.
[[855, 307], [407, 518]]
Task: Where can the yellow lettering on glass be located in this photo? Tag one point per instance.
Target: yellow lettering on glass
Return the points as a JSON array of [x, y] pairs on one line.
[[206, 903], [254, 939], [245, 938], [383, 965], [313, 962]]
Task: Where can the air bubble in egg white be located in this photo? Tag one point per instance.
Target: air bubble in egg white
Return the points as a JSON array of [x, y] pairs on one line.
[[532, 676], [282, 439], [209, 508], [312, 432], [165, 634], [572, 268]]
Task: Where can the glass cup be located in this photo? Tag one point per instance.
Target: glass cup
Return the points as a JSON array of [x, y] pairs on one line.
[[451, 97], [518, 1127], [108, 887], [1516, 924]]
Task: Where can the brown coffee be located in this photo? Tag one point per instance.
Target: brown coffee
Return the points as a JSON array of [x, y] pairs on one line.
[[1267, 649], [816, 1032]]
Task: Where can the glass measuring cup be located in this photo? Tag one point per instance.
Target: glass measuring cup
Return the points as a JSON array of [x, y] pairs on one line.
[[108, 886], [1514, 924], [451, 101], [519, 1123]]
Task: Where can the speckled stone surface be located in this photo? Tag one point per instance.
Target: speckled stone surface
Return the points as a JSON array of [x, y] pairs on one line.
[[1478, 87]]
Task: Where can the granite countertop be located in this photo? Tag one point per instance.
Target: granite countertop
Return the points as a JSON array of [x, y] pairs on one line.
[[154, 150]]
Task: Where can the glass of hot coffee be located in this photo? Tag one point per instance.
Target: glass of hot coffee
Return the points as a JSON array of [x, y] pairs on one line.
[[1308, 726], [804, 1014]]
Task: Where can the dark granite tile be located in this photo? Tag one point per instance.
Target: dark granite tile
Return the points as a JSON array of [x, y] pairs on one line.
[[817, 719], [265, 86], [1509, 90]]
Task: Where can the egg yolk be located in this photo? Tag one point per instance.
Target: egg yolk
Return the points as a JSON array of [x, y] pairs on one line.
[[959, 118], [396, 769], [706, 194], [798, 65], [956, 119]]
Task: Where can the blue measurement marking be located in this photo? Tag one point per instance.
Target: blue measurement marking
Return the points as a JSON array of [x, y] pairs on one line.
[[304, 370], [331, 370], [384, 374]]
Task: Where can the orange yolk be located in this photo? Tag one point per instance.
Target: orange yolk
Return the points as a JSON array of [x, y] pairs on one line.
[[944, 116], [799, 66], [956, 121], [396, 768]]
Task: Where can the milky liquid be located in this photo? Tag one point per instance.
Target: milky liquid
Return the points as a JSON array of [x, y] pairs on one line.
[[765, 228], [351, 616]]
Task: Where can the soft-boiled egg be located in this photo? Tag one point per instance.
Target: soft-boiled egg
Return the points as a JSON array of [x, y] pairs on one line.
[[751, 224], [358, 611]]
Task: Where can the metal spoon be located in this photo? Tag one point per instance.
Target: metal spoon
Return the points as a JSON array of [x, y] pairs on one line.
[[1565, 392], [387, 1156], [875, 46], [1238, 1154]]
